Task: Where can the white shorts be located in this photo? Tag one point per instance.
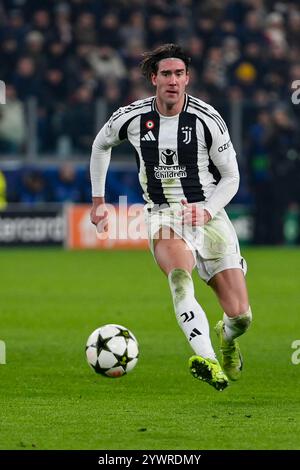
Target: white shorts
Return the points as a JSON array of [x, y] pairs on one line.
[[215, 245]]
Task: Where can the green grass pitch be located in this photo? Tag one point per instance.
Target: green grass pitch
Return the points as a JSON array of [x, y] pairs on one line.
[[51, 300]]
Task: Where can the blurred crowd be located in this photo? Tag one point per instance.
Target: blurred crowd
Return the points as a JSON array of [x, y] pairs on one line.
[[65, 183], [68, 55]]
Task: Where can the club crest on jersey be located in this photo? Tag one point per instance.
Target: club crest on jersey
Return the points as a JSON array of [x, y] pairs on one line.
[[187, 134], [168, 157]]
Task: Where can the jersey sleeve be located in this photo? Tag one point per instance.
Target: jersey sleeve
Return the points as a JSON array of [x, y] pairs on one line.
[[223, 156], [106, 138], [109, 135], [221, 150]]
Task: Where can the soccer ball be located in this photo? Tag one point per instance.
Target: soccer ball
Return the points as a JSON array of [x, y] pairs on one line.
[[112, 350]]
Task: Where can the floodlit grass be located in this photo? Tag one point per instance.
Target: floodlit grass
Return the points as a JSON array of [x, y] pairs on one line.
[[51, 300]]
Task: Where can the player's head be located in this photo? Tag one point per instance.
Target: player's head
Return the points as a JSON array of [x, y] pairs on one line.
[[167, 69], [150, 62]]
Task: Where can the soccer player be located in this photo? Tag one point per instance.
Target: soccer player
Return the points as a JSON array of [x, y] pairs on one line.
[[188, 172]]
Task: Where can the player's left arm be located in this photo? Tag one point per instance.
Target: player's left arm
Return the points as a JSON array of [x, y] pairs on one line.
[[223, 156]]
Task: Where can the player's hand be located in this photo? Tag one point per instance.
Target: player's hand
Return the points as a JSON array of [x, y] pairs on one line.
[[99, 216], [193, 214]]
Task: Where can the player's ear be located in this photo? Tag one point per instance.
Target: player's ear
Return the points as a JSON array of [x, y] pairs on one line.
[[153, 79]]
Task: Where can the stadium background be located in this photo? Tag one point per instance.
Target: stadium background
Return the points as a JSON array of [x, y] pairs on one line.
[[67, 66]]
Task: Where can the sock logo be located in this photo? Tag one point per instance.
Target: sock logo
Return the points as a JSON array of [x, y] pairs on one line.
[[194, 333], [187, 316]]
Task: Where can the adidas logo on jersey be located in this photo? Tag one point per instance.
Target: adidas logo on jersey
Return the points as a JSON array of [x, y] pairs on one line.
[[149, 136]]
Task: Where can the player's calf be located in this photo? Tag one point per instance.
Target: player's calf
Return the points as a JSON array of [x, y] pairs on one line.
[[189, 314]]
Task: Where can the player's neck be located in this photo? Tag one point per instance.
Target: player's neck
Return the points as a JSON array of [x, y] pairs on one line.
[[169, 109]]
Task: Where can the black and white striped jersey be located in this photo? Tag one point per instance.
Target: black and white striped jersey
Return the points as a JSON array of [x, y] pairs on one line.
[[178, 157]]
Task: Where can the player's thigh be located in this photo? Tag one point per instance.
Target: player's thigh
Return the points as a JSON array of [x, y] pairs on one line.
[[231, 290], [172, 252]]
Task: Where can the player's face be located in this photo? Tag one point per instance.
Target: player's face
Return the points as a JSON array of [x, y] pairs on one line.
[[170, 81]]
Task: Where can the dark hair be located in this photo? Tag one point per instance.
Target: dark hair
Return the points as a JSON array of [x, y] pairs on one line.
[[150, 60]]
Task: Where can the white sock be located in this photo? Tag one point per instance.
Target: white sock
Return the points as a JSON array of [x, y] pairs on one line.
[[189, 314], [236, 326]]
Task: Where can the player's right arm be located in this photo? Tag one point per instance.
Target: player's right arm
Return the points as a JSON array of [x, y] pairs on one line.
[[107, 138]]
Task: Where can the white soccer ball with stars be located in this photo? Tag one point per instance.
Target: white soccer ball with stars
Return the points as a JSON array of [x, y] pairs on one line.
[[112, 350]]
